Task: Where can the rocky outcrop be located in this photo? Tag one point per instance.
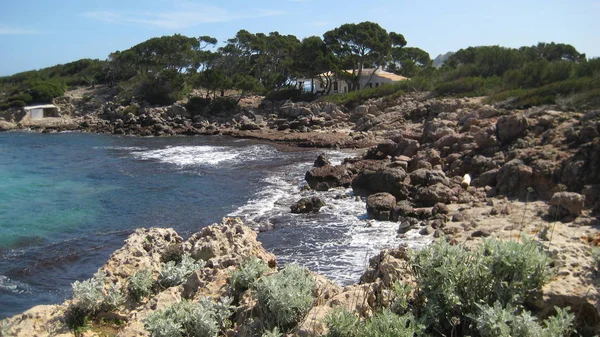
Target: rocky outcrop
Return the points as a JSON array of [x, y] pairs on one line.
[[328, 177], [511, 127]]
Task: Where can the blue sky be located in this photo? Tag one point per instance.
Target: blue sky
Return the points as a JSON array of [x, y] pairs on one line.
[[40, 33]]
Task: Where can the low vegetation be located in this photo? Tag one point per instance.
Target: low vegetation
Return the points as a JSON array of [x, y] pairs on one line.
[[186, 319], [173, 273], [460, 292], [140, 284], [285, 297], [248, 274]]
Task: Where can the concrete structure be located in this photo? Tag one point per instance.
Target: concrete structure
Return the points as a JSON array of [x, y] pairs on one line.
[[370, 78], [41, 111]]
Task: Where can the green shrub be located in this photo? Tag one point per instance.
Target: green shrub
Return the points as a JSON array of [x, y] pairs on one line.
[[453, 281], [249, 272], [88, 294], [133, 109], [89, 298], [140, 284], [173, 252], [197, 105], [17, 104], [272, 333], [465, 85], [385, 323], [494, 321], [285, 297], [203, 319], [223, 104], [161, 88], [173, 274], [44, 91], [342, 323], [24, 97], [4, 106]]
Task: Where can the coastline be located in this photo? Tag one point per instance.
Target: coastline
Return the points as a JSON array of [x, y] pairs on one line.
[[423, 149]]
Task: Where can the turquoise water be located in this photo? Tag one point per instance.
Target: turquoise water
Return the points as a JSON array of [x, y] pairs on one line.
[[67, 201]]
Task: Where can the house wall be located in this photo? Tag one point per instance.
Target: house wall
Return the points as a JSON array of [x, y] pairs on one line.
[[37, 113]]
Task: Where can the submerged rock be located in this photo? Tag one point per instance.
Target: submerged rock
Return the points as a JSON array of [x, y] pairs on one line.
[[307, 205]]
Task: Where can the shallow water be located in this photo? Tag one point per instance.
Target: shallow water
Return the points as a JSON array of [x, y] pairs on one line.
[[67, 201]]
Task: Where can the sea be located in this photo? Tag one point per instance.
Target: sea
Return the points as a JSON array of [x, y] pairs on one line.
[[68, 200]]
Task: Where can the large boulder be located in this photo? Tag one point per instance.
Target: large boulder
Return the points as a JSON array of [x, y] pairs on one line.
[[380, 206], [509, 128], [322, 160], [428, 196], [327, 177], [514, 179], [390, 180], [583, 168], [565, 204], [425, 177], [307, 205]]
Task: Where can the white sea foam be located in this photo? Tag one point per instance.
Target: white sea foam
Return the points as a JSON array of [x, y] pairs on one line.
[[338, 241], [13, 286], [205, 155]]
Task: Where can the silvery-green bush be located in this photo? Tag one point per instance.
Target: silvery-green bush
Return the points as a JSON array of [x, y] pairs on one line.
[[454, 282], [88, 294], [385, 323], [272, 333], [248, 273], [494, 321], [140, 284], [173, 274], [285, 297], [187, 319]]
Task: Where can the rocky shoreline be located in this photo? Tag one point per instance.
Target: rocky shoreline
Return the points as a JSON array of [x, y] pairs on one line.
[[453, 169]]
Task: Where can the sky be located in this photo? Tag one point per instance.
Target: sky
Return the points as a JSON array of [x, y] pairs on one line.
[[39, 33]]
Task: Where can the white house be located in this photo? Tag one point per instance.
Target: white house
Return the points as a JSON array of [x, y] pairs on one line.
[[370, 78], [41, 111]]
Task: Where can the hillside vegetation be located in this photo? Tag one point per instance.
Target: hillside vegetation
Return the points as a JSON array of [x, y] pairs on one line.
[[166, 69]]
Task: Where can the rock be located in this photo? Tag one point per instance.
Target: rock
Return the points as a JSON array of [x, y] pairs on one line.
[[514, 179], [482, 233], [406, 147], [322, 160], [307, 205], [430, 195], [440, 208], [407, 225], [380, 206], [509, 128], [583, 168], [427, 230], [488, 178], [566, 203], [327, 177], [425, 177], [389, 180]]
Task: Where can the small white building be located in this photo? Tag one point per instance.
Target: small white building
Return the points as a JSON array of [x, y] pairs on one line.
[[41, 111], [369, 78]]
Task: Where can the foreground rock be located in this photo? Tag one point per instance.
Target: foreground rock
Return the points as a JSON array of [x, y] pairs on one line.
[[380, 206]]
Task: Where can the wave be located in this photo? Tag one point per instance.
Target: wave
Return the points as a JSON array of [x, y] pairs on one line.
[[337, 242]]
